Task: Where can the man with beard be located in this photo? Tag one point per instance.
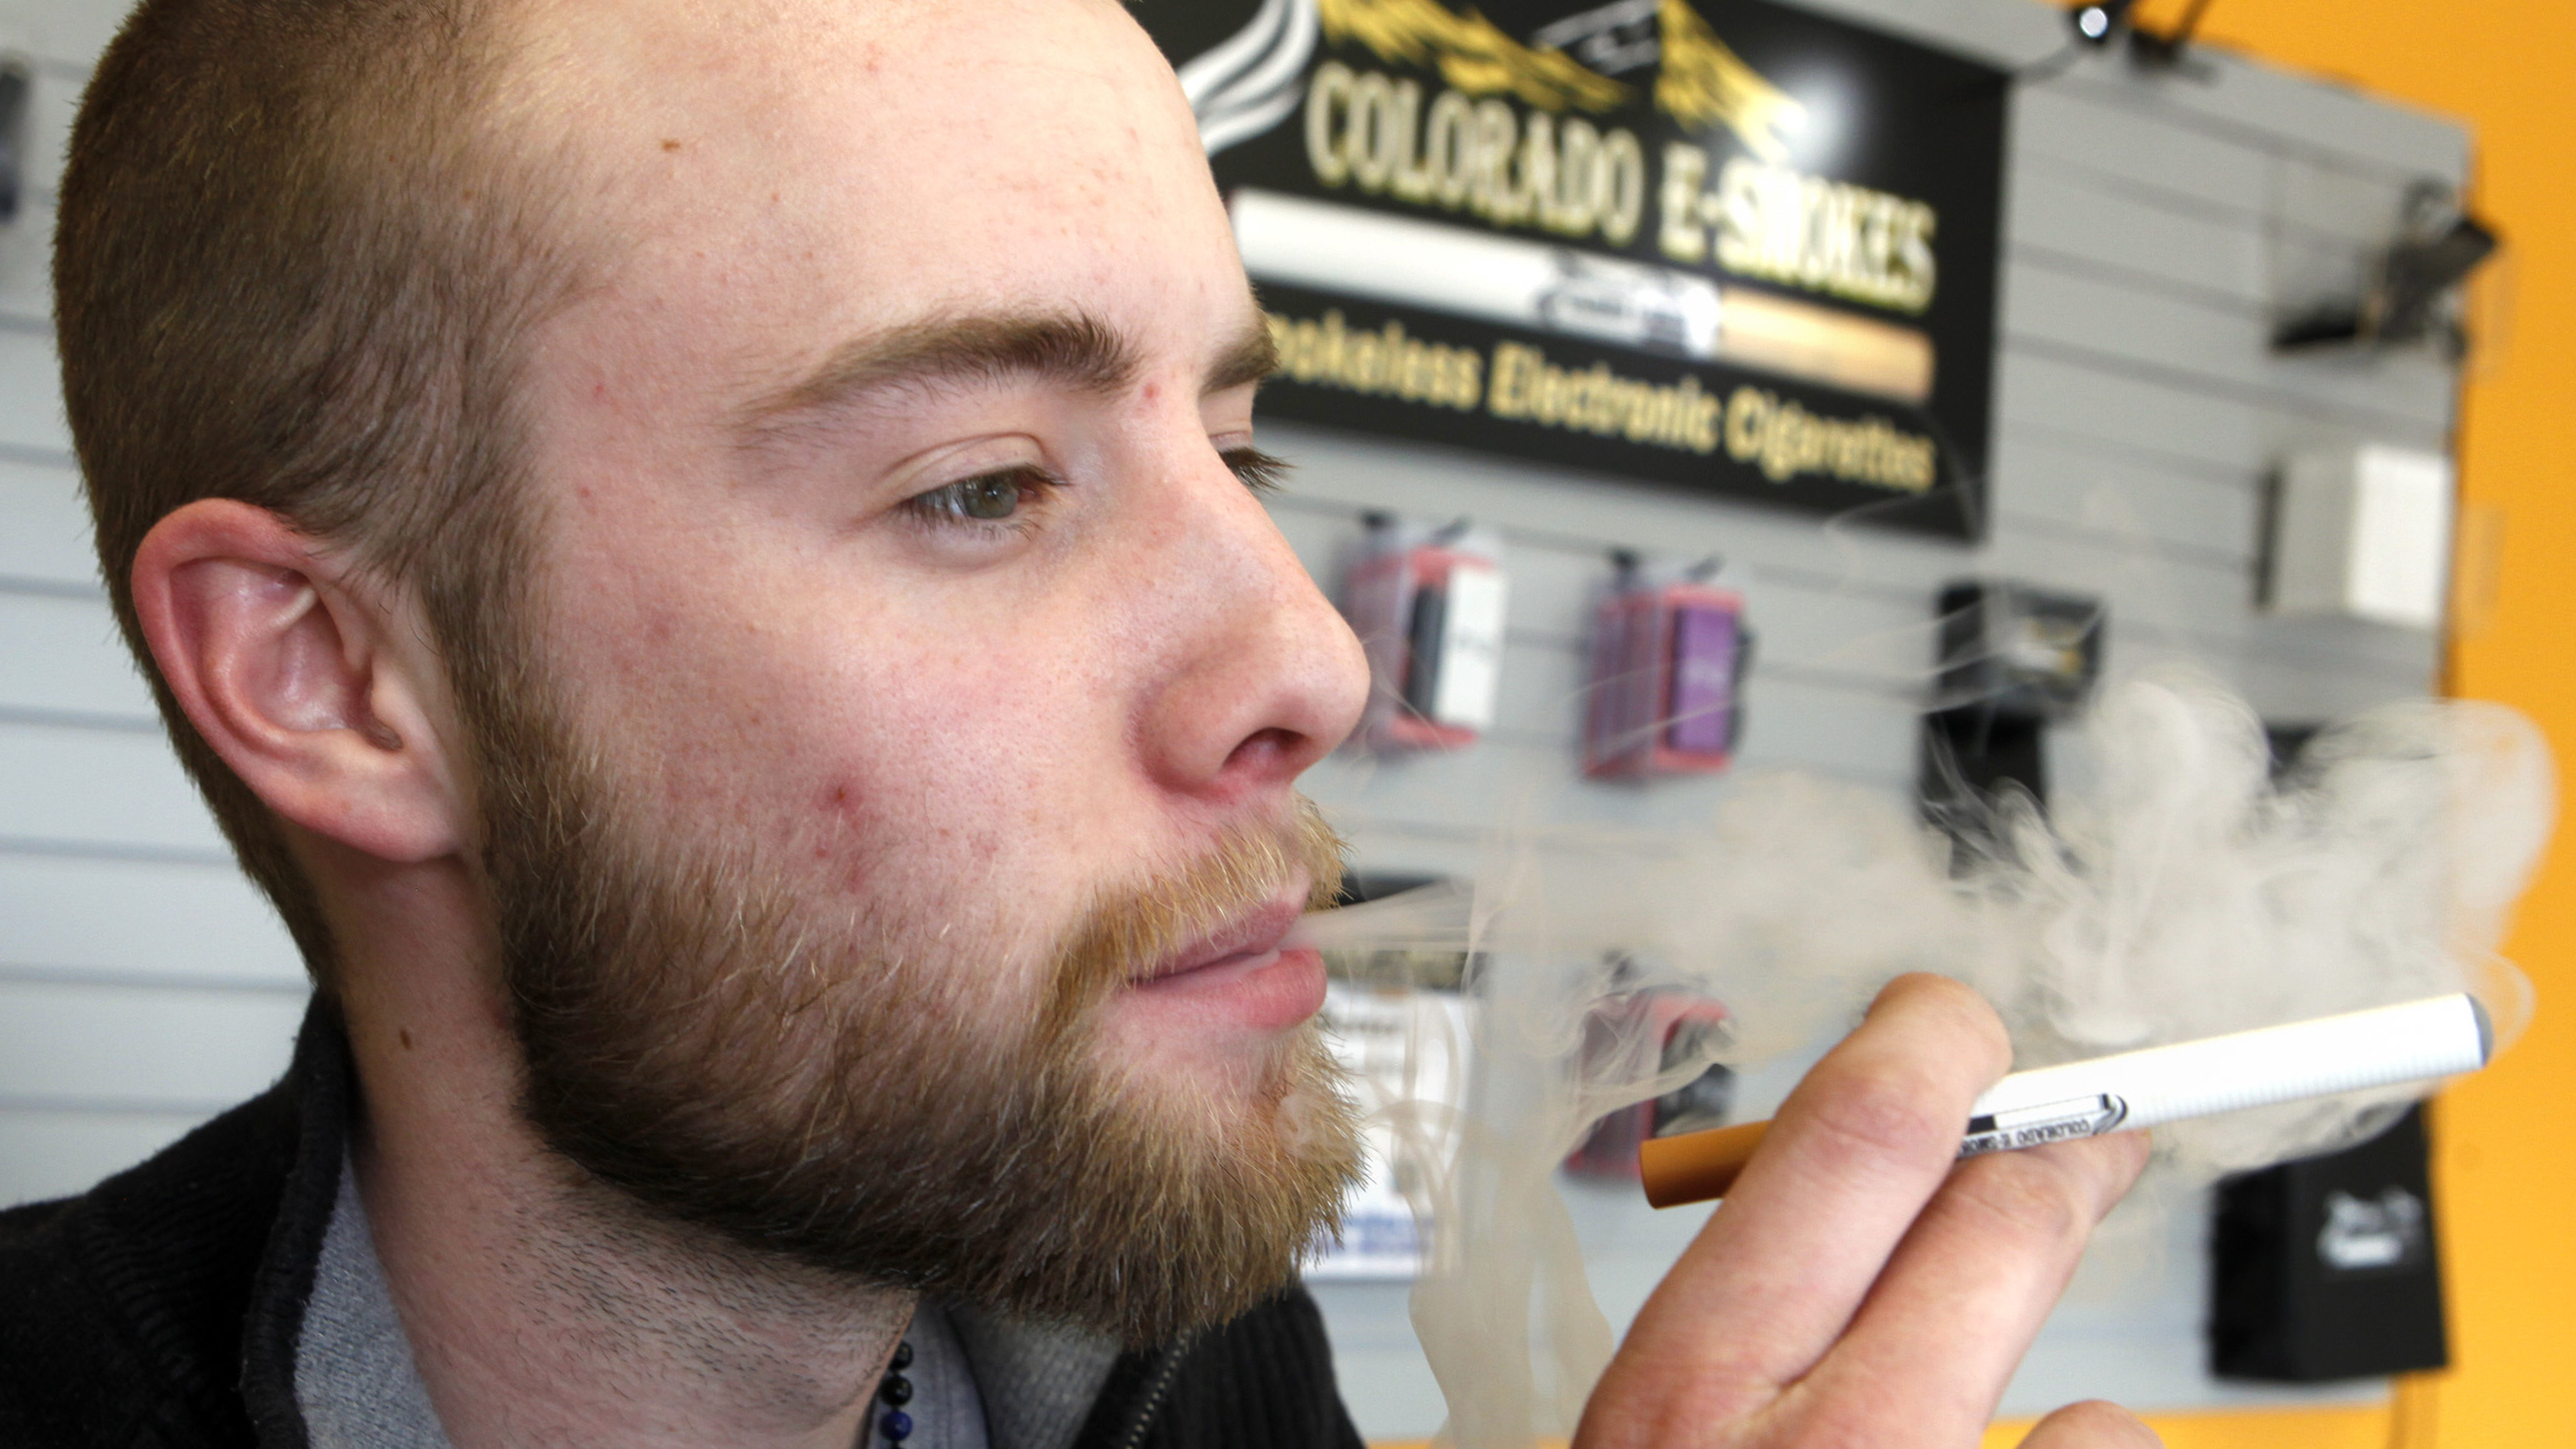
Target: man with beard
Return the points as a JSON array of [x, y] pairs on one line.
[[710, 563]]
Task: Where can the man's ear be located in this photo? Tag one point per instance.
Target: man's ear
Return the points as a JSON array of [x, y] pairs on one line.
[[310, 686]]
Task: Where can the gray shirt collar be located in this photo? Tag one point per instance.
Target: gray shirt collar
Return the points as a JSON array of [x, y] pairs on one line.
[[354, 1377], [980, 1381]]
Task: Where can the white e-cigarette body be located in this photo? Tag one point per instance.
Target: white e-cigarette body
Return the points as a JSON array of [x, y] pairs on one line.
[[2414, 1041]]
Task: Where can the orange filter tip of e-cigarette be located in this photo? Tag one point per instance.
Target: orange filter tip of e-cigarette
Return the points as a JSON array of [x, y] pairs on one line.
[[1696, 1166]]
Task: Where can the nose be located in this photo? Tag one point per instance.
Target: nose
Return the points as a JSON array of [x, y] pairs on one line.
[[1263, 677]]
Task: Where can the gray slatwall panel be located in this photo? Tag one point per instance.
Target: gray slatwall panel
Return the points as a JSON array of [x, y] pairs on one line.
[[2049, 210], [66, 35], [2280, 112], [64, 655], [2059, 129], [79, 1047], [2395, 396], [2318, 669], [2323, 200], [44, 529], [2086, 403], [1843, 632], [2006, 35], [1586, 515], [26, 247], [2352, 644], [108, 867], [51, 110], [2098, 231], [1512, 780], [26, 251], [72, 920], [103, 789], [1317, 532], [1588, 512], [1822, 631], [1869, 638], [2143, 586], [2046, 481], [31, 407], [1545, 704], [1529, 506], [1862, 736], [55, 1153]]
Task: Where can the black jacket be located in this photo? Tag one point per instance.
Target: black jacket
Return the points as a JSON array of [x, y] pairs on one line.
[[162, 1308]]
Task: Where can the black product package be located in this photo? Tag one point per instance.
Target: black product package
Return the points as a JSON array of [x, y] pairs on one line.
[[2327, 1268]]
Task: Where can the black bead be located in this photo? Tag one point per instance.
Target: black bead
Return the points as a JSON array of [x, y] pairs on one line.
[[902, 1355], [896, 1390]]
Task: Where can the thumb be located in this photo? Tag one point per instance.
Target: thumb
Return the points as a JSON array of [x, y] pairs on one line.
[[2093, 1424]]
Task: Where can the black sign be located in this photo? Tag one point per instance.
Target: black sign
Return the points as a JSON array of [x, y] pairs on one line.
[[1725, 244]]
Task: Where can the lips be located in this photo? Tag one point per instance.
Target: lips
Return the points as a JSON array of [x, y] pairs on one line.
[[1235, 989], [1246, 943]]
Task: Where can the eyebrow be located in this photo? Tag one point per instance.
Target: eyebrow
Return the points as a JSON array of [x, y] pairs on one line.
[[1250, 357], [1074, 349]]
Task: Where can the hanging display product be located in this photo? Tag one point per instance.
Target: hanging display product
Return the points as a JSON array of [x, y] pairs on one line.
[[1429, 608], [1408, 1053], [1668, 665], [1691, 1028], [2014, 650], [1727, 244]]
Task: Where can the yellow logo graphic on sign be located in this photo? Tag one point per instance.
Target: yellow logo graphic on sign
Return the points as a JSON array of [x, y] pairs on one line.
[[1701, 83], [1472, 54]]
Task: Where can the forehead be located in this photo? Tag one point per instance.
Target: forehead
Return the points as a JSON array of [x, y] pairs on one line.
[[816, 169]]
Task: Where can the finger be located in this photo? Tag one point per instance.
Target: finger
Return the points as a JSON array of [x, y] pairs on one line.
[[2093, 1424], [1853, 1155], [1966, 1292]]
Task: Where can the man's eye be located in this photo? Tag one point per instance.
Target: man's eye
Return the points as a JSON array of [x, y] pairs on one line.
[[1260, 472], [991, 498]]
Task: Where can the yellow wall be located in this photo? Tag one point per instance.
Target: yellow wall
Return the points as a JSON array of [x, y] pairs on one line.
[[2506, 1145], [2309, 1429]]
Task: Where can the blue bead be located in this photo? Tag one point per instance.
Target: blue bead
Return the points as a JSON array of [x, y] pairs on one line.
[[897, 1425]]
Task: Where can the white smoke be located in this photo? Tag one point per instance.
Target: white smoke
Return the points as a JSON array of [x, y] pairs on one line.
[[2178, 892]]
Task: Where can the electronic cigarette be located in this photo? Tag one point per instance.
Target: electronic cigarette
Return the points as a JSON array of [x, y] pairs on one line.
[[2440, 1036]]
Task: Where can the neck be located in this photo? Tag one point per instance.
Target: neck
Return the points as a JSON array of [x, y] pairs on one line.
[[544, 1307]]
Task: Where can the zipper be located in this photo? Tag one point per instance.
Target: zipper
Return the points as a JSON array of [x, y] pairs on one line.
[[1151, 1401]]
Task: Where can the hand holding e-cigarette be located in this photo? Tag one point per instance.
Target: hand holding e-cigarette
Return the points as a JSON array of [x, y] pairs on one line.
[[1862, 1285], [2386, 1046]]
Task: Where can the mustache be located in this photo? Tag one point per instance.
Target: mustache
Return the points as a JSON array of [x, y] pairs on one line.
[[1129, 926]]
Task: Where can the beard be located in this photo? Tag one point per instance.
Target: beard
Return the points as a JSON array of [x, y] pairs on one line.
[[854, 1093]]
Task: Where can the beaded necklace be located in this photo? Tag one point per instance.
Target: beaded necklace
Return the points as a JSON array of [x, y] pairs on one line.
[[894, 1392]]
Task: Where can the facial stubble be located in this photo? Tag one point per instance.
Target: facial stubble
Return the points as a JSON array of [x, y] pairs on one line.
[[729, 1051]]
